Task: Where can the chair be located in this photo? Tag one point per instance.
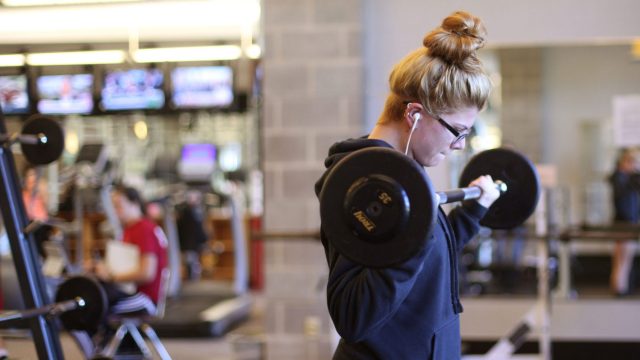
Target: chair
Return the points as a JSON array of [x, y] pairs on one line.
[[136, 326]]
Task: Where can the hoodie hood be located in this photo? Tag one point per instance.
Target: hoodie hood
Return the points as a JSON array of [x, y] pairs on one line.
[[343, 148]]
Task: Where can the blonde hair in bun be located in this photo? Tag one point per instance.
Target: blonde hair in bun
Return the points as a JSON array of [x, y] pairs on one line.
[[445, 75]]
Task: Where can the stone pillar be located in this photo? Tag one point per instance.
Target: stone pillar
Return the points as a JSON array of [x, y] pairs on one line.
[[313, 91]]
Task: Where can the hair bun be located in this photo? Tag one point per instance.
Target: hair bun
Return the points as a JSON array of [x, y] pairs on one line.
[[459, 36]]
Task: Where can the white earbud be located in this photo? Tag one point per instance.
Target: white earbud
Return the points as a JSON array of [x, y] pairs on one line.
[[416, 118]]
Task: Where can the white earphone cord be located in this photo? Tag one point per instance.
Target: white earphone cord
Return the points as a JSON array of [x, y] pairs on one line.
[[415, 122]]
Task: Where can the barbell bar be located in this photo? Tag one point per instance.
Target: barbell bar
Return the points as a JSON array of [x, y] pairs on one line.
[[41, 140], [467, 193], [49, 310], [378, 207], [81, 304]]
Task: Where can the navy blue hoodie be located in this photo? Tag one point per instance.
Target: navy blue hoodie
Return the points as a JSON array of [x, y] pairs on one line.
[[626, 196], [406, 311]]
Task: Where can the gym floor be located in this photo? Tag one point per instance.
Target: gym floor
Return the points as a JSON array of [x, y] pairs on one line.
[[243, 342], [20, 346], [240, 343]]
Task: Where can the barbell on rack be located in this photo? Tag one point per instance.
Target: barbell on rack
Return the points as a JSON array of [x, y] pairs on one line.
[[378, 206], [81, 304], [41, 140]]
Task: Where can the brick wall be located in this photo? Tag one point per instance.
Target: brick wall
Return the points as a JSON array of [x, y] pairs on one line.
[[313, 90]]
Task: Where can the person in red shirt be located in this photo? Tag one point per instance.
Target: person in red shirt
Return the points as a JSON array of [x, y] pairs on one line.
[[152, 243], [147, 275]]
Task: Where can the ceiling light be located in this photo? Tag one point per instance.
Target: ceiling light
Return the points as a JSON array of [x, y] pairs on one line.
[[57, 2], [140, 129], [12, 60], [71, 142], [196, 53], [77, 58], [253, 51]]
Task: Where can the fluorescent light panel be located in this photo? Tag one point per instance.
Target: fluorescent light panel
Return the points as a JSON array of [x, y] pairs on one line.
[[177, 54], [12, 60], [77, 58], [57, 2], [196, 53]]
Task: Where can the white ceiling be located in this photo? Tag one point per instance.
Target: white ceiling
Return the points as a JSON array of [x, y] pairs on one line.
[[148, 21]]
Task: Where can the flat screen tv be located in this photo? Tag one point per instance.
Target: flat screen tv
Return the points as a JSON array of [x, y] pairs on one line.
[[14, 97], [197, 162], [202, 87], [133, 89], [65, 94]]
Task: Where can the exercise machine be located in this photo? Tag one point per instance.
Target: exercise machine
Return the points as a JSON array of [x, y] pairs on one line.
[[89, 190], [203, 308], [42, 142]]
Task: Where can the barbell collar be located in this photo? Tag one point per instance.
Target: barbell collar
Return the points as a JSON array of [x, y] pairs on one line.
[[29, 139], [61, 307], [467, 193]]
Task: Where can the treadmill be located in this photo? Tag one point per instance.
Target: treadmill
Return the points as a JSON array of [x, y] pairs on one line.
[[203, 308]]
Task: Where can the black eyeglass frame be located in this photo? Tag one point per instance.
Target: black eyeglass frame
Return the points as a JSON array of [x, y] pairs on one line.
[[459, 136]]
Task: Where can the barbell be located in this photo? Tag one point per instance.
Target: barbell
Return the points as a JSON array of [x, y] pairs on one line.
[[81, 304], [378, 207], [41, 140]]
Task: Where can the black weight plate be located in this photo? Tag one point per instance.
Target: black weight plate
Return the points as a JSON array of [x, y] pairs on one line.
[[89, 316], [409, 186], [377, 207], [42, 154], [523, 186]]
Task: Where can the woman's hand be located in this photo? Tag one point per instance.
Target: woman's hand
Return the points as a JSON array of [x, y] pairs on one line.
[[490, 192]]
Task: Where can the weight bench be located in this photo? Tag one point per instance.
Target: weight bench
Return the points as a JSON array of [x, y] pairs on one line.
[[138, 327]]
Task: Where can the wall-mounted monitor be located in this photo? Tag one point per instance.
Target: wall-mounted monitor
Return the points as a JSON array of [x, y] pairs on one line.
[[202, 87], [133, 89], [197, 162], [14, 96], [65, 94]]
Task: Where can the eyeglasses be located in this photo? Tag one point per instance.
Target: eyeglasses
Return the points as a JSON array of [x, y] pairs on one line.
[[459, 136]]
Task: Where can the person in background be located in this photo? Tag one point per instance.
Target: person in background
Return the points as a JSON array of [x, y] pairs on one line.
[[152, 243], [192, 233], [34, 194], [625, 182]]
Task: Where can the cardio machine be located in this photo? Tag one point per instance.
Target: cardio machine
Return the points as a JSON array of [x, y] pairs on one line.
[[202, 308]]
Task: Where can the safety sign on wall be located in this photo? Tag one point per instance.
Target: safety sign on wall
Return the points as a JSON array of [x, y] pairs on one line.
[[626, 120]]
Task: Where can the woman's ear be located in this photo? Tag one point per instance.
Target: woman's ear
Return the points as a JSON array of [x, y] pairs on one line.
[[413, 114]]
